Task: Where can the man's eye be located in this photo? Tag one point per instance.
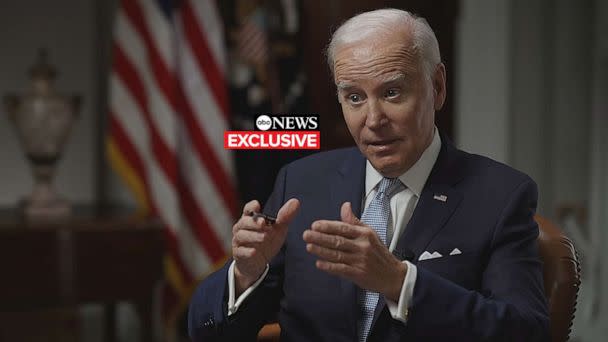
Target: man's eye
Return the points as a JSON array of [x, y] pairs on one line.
[[392, 93], [354, 98]]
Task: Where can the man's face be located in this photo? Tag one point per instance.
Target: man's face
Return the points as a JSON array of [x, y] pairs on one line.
[[388, 103]]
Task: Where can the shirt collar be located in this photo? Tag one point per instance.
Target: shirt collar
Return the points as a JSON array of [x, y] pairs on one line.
[[416, 176]]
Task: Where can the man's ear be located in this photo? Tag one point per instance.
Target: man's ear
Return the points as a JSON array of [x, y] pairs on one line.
[[439, 86]]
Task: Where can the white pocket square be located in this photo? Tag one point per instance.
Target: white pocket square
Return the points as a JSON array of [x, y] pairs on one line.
[[426, 256], [455, 251]]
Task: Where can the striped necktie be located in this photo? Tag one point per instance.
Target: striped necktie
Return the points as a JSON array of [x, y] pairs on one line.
[[376, 215]]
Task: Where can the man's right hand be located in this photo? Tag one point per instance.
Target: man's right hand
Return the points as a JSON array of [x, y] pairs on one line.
[[254, 243]]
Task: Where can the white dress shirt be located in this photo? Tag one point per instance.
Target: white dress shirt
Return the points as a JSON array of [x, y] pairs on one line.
[[402, 205]]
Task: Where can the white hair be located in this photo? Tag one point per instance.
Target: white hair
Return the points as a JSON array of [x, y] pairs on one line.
[[385, 21]]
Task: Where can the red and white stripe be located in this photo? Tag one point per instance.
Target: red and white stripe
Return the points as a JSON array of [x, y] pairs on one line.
[[252, 42], [168, 112]]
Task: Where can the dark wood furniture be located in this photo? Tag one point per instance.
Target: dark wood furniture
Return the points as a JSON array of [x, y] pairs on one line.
[[91, 258], [562, 276]]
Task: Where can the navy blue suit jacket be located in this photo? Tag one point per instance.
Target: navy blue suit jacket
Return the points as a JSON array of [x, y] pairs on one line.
[[492, 291]]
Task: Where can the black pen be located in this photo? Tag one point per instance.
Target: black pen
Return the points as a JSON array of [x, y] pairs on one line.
[[269, 220]]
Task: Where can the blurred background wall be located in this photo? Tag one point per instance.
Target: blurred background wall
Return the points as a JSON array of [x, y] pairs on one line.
[[530, 83]]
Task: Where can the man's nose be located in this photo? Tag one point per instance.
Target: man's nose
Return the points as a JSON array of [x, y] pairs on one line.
[[376, 117]]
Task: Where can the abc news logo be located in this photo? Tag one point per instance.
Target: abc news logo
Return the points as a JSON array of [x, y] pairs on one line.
[[287, 123], [277, 132]]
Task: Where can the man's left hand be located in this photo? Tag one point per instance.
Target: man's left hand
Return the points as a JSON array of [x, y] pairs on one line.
[[351, 249]]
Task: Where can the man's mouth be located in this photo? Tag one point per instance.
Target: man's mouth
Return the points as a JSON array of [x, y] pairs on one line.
[[380, 143]]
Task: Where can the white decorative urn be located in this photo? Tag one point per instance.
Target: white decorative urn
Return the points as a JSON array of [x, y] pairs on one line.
[[43, 120]]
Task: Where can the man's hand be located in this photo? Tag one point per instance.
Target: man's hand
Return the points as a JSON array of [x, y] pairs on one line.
[[254, 243], [352, 250]]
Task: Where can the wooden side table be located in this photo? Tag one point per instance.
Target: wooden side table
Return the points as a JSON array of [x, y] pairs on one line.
[[91, 258]]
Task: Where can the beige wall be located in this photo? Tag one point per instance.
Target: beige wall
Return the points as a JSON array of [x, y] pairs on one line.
[[482, 78], [523, 91]]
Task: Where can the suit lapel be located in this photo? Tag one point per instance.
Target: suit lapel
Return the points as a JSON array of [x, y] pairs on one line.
[[431, 213], [436, 204], [349, 182], [348, 185], [428, 219]]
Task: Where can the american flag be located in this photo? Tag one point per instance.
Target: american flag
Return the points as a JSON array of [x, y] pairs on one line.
[[252, 41], [168, 111]]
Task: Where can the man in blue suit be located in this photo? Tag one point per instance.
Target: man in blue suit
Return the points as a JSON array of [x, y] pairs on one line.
[[402, 238]]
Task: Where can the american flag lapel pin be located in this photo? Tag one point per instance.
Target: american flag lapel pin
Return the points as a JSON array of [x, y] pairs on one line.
[[442, 198]]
